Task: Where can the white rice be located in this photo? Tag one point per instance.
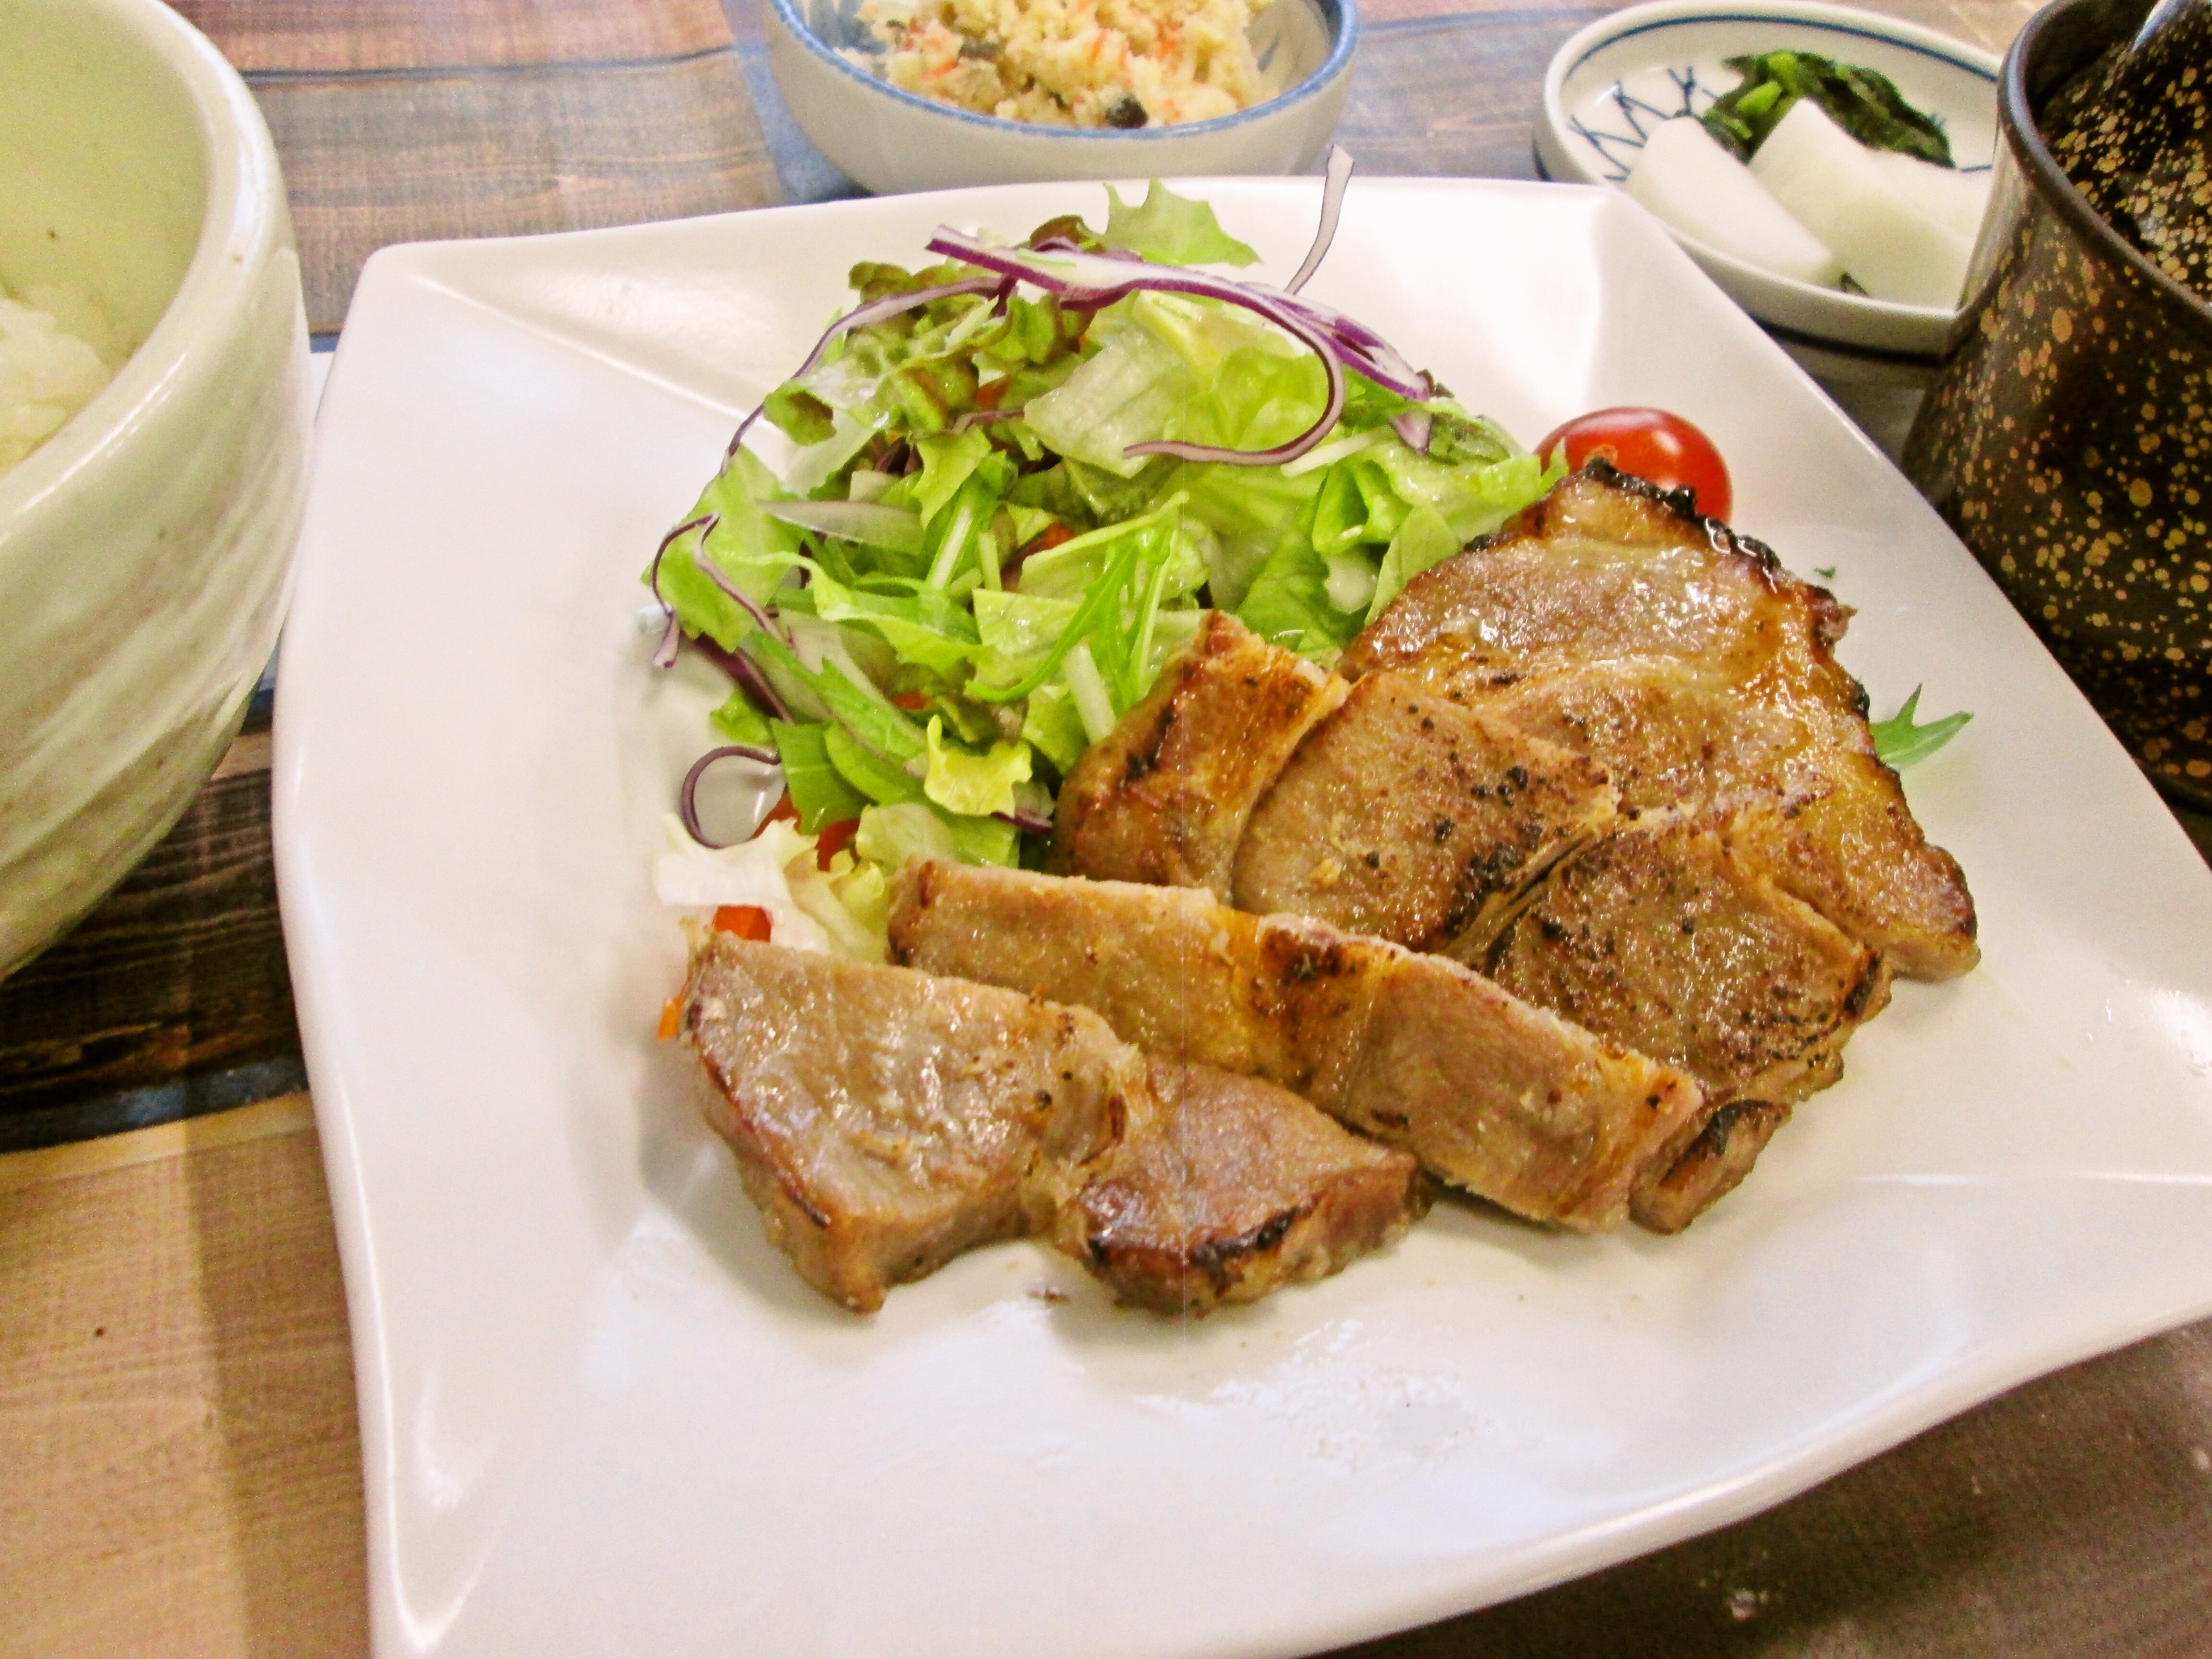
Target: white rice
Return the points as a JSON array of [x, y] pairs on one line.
[[46, 375], [1073, 63]]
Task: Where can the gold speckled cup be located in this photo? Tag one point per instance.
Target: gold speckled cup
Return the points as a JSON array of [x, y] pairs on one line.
[[2068, 438]]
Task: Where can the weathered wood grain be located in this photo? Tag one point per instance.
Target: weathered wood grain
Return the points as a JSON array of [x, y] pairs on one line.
[[176, 1405], [299, 37], [374, 160], [178, 975], [1452, 97]]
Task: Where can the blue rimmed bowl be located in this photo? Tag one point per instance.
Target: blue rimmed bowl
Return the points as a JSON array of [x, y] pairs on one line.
[[1614, 81], [889, 140]]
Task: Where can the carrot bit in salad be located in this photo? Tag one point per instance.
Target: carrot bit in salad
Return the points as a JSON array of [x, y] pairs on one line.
[[745, 921], [672, 1017]]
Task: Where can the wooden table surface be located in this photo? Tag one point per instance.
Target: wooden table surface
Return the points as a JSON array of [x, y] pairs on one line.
[[177, 1429]]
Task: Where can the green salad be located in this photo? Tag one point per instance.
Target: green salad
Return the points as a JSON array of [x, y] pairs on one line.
[[1015, 480]]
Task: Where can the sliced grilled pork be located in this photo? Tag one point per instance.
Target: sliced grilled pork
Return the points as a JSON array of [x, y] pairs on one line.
[[1407, 817], [1605, 567], [1499, 1097], [1564, 623], [1662, 936], [1669, 1198], [1235, 1188], [1815, 807], [885, 1121], [1164, 797]]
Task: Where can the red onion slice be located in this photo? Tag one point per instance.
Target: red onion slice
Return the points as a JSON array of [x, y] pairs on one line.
[[764, 620], [664, 654], [1332, 205], [747, 675], [1090, 280], [687, 797], [1414, 428], [1102, 280]]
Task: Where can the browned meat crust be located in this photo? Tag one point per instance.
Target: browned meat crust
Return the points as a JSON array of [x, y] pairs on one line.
[[1816, 808], [1663, 936], [1164, 797], [1709, 1167], [1227, 1196], [885, 1121], [1407, 817], [1685, 662], [1499, 1097], [1603, 567]]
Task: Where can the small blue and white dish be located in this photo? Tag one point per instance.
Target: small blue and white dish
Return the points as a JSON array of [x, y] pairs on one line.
[[891, 140], [1615, 80]]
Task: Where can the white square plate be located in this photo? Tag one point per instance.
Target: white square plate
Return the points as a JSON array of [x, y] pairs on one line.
[[601, 1416]]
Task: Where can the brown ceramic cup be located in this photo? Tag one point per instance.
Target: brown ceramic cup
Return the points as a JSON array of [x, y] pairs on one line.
[[2068, 438]]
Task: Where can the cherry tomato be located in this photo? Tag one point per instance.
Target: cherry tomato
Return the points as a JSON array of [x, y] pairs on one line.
[[1657, 447], [834, 839]]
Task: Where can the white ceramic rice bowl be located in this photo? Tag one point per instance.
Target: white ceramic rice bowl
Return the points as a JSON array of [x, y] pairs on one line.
[[145, 549], [890, 141]]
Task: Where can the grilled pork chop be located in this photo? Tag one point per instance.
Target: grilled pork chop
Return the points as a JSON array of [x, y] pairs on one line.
[[1499, 1097], [1697, 672], [1814, 805], [1410, 817], [885, 1121], [1163, 797], [1660, 936]]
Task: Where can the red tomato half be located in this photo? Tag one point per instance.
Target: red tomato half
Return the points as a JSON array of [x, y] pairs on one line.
[[1658, 447]]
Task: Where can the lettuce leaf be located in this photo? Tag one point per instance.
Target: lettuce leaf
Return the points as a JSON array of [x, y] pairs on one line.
[[1172, 230], [1170, 367], [751, 549], [1424, 539], [819, 792], [926, 627], [976, 786]]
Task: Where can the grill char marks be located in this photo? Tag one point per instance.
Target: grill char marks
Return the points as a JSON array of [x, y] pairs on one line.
[[1698, 674], [1605, 567], [1663, 703], [1409, 818], [1230, 1196], [1164, 798], [1493, 1095], [1662, 937], [885, 1121]]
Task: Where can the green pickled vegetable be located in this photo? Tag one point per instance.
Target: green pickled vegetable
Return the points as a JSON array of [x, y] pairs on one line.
[[1863, 102]]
